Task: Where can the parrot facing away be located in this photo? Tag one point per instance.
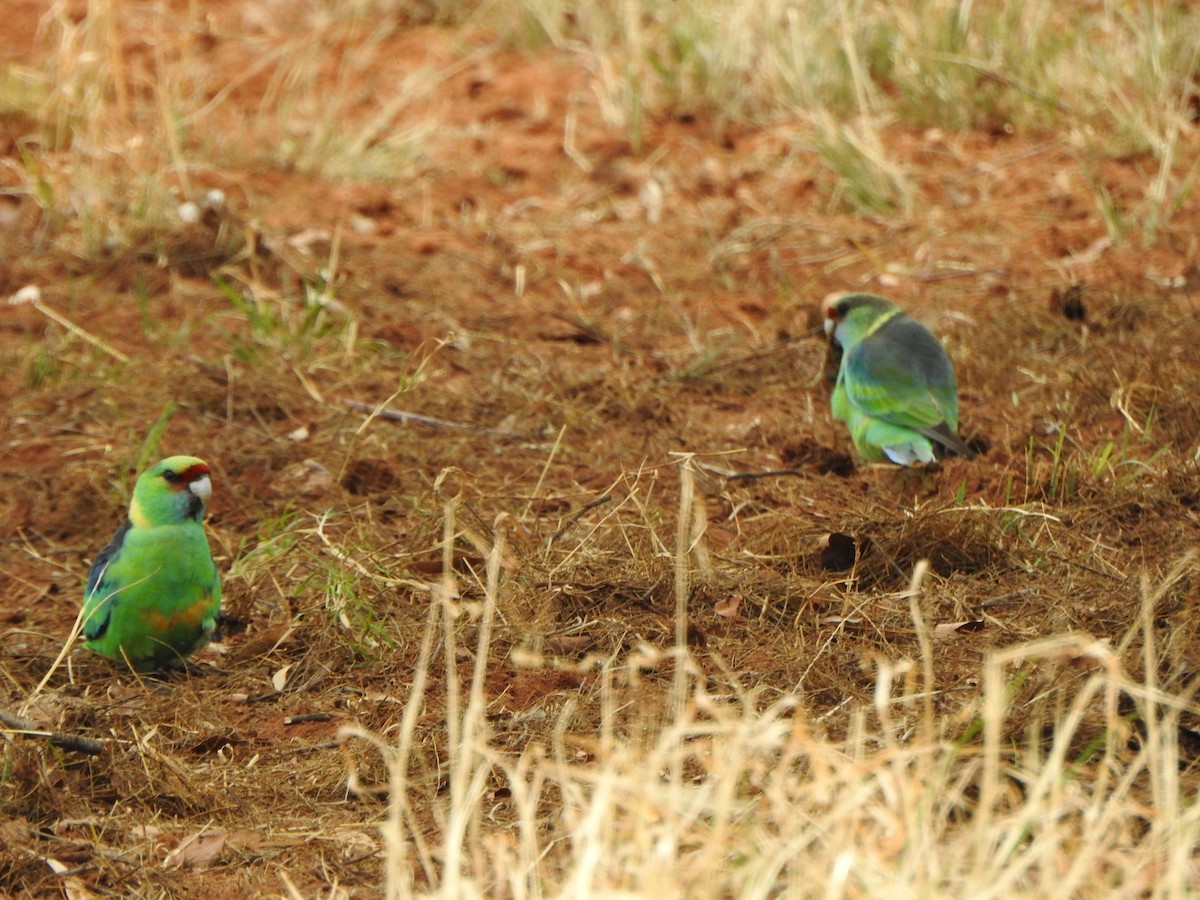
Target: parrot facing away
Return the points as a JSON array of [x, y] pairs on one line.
[[895, 387], [153, 594]]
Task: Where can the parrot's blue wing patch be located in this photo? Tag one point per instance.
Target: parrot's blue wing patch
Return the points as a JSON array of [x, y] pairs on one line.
[[96, 615]]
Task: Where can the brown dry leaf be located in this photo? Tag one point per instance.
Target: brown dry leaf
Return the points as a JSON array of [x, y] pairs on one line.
[[244, 840], [565, 644], [838, 551], [462, 561], [953, 629], [1068, 303], [14, 832], [308, 478], [728, 607], [356, 843], [76, 889], [126, 700], [72, 885], [197, 850]]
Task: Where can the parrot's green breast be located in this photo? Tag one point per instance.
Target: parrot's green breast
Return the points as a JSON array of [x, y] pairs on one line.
[[157, 600]]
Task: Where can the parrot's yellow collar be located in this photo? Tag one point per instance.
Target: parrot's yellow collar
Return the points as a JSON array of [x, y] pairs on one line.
[[881, 321], [136, 516]]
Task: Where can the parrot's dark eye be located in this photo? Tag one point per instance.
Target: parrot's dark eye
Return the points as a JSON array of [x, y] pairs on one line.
[[172, 477]]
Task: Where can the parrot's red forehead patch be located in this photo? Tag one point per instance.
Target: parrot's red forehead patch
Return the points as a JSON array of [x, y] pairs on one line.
[[191, 473], [834, 305], [181, 479]]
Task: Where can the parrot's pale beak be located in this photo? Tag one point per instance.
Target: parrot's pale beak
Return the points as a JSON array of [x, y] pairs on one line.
[[201, 487], [827, 305]]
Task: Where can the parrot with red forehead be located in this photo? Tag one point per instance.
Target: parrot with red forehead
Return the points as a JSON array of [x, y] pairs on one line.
[[153, 594], [895, 387]]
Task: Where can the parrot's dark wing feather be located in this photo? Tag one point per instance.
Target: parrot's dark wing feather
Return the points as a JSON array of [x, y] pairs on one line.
[[933, 368], [947, 438], [97, 620]]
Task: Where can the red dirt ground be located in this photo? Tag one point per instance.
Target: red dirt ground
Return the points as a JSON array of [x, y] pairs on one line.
[[586, 315]]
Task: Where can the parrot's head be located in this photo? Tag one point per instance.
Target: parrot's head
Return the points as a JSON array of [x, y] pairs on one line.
[[851, 317], [170, 492]]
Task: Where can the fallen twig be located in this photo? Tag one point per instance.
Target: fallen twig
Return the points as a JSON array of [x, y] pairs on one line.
[[734, 475], [21, 725]]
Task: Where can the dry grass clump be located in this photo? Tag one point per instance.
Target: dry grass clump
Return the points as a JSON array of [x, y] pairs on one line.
[[1121, 77], [121, 138], [732, 791]]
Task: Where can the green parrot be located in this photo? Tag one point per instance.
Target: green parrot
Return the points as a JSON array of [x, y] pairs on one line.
[[153, 594], [895, 387]]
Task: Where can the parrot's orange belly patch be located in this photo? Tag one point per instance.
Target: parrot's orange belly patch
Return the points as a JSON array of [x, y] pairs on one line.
[[189, 616]]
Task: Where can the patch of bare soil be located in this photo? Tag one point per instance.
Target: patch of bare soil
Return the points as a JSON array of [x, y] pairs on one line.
[[567, 322]]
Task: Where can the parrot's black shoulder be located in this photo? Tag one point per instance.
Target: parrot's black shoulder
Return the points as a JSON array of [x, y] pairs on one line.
[[105, 556]]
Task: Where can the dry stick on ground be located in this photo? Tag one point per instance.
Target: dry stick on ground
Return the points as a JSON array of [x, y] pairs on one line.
[[575, 516], [34, 298], [586, 332], [781, 347], [409, 418], [57, 738], [732, 475]]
